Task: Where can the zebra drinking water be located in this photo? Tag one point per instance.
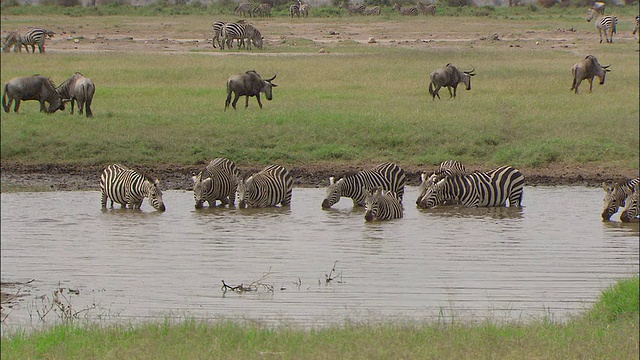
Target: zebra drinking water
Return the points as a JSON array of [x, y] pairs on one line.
[[387, 176], [615, 196], [217, 181], [446, 168], [269, 187], [630, 212], [128, 188], [382, 205], [493, 188], [606, 24]]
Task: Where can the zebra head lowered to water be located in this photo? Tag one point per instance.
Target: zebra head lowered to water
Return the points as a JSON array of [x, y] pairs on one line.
[[630, 212], [36, 87], [128, 188], [588, 68], [269, 187], [381, 205], [218, 181], [615, 196], [387, 176], [449, 77], [446, 168], [248, 84]]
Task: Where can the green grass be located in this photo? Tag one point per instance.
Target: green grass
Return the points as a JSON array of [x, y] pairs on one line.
[[597, 334]]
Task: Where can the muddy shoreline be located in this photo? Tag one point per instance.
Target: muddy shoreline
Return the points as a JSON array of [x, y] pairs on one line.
[[55, 177]]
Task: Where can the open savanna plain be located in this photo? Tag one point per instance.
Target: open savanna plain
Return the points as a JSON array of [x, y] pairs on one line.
[[352, 92]]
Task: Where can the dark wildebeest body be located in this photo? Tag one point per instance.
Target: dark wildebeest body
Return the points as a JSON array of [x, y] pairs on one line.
[[36, 87], [449, 76], [588, 68], [248, 84], [78, 88]]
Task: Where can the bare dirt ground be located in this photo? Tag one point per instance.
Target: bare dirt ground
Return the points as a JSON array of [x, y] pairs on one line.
[[172, 36]]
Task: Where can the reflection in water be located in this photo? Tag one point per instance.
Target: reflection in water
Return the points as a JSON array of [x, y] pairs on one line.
[[499, 262]]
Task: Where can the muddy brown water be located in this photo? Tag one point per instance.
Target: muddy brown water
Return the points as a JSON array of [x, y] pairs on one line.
[[550, 258]]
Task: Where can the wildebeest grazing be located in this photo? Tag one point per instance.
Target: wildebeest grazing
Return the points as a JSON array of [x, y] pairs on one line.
[[78, 88], [36, 87], [248, 84], [450, 77], [588, 68]]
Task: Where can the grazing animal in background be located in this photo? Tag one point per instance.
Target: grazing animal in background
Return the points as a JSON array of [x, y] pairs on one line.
[[615, 195], [217, 33], [240, 32], [244, 9], [446, 168], [217, 181], [128, 188], [248, 84], [387, 176], [607, 24], [382, 205], [294, 10], [588, 68], [12, 39], [304, 10], [636, 26], [630, 212], [36, 87], [405, 10], [269, 187], [449, 77], [426, 9], [33, 37], [478, 189], [78, 88], [263, 9], [353, 9], [371, 10]]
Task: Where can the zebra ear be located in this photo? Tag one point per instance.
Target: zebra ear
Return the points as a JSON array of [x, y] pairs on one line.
[[156, 182], [423, 177], [195, 179], [332, 180]]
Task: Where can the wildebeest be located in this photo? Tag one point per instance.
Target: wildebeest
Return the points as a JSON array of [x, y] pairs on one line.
[[248, 84], [78, 88], [588, 68], [36, 87], [450, 77]]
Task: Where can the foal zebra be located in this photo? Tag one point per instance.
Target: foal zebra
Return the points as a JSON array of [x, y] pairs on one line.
[[270, 187], [615, 196], [493, 188], [406, 10], [128, 188], [630, 212], [382, 205], [608, 24], [387, 176], [218, 181], [446, 168]]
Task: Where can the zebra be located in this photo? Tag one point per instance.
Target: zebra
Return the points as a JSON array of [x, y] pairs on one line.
[[12, 39], [371, 10], [217, 181], [388, 176], [304, 10], [294, 10], [244, 9], [353, 9], [615, 195], [636, 26], [128, 188], [35, 36], [446, 168], [406, 10], [426, 9], [382, 205], [262, 10], [241, 32], [269, 187], [608, 24], [217, 33], [630, 212], [493, 188]]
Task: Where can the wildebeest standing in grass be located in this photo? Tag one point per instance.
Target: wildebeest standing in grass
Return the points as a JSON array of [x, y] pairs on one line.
[[78, 88], [588, 68], [248, 84], [449, 76], [36, 87]]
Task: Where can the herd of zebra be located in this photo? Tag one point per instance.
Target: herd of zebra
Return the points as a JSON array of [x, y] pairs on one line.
[[379, 189]]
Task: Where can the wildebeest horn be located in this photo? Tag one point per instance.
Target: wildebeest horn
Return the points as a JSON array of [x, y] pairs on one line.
[[274, 76], [606, 66], [471, 71]]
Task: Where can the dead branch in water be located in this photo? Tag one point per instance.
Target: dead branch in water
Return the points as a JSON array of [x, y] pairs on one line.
[[330, 277], [60, 304], [253, 286]]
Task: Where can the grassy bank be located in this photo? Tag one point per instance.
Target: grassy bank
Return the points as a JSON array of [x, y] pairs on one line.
[[609, 330], [356, 103]]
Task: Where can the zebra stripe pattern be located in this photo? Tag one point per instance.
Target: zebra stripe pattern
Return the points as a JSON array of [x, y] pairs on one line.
[[217, 32], [218, 181], [446, 168], [606, 24], [493, 188], [128, 188], [304, 10], [270, 187], [262, 10], [406, 10], [636, 26], [244, 9], [353, 9], [382, 205], [387, 176], [35, 36], [12, 39], [240, 32], [615, 196], [630, 212], [426, 9], [371, 10], [294, 10]]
